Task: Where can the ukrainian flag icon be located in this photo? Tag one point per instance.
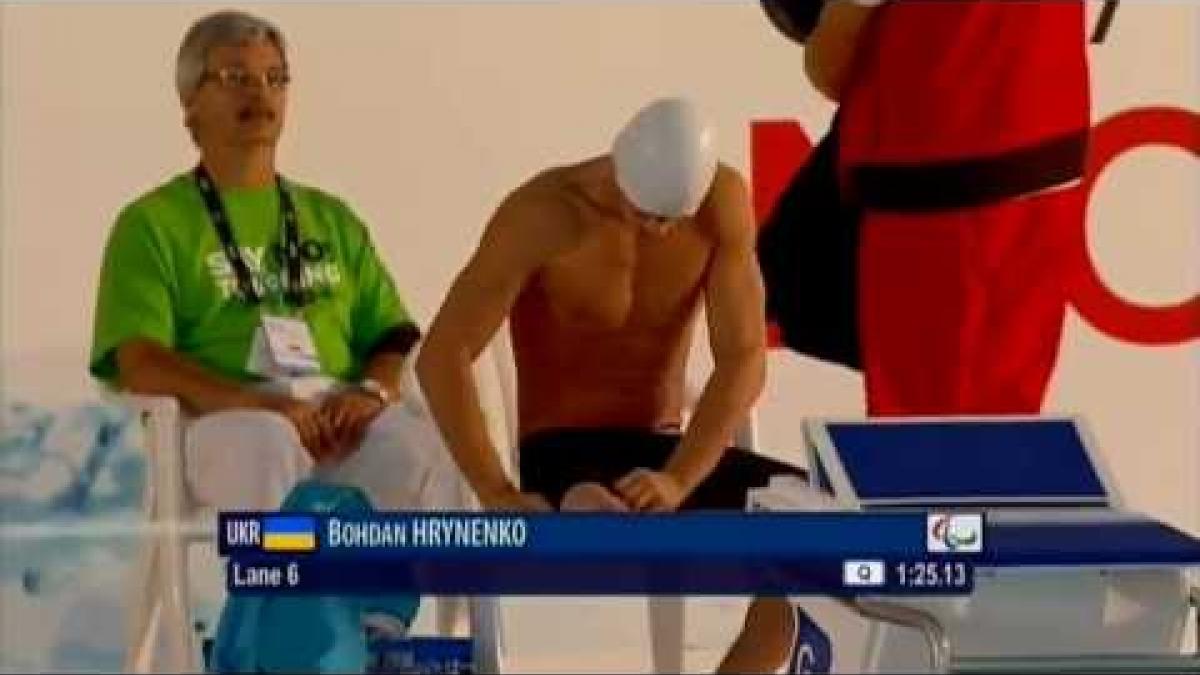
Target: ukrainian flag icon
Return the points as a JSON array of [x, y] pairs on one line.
[[289, 534]]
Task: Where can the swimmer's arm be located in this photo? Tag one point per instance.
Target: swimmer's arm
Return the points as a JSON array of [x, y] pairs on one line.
[[829, 52], [512, 248], [734, 307]]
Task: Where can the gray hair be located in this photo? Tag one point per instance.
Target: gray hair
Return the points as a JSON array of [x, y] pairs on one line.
[[222, 28]]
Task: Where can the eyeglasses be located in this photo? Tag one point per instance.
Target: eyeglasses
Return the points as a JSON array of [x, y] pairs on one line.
[[237, 78]]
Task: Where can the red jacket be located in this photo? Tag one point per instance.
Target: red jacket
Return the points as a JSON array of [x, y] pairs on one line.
[[960, 79]]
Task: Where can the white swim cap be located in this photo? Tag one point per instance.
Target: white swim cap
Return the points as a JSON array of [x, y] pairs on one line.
[[666, 158]]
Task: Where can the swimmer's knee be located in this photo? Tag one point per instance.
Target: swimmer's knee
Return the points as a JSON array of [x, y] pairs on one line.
[[591, 497]]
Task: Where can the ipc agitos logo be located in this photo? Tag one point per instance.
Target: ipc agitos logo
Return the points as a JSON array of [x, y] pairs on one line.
[[954, 533]]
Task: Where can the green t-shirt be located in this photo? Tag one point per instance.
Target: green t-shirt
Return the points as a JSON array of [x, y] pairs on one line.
[[165, 277]]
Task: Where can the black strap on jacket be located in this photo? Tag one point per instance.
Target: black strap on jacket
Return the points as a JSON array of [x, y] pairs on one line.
[[1105, 21], [976, 181]]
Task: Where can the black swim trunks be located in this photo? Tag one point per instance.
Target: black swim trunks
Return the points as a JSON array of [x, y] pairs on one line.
[[553, 461]]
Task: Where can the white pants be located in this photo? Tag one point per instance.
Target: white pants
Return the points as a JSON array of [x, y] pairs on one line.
[[250, 459]]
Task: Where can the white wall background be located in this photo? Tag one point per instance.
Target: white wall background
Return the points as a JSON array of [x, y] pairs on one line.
[[423, 115]]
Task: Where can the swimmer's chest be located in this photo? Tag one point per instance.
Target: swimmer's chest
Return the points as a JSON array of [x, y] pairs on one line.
[[617, 276]]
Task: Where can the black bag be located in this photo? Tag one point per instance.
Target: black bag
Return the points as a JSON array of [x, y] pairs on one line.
[[794, 18], [808, 252]]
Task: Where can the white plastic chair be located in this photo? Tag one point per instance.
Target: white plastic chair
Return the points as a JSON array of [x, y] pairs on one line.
[[666, 613], [161, 612], [161, 636]]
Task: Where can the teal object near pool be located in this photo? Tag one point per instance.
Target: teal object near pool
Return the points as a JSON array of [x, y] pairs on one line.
[[305, 633]]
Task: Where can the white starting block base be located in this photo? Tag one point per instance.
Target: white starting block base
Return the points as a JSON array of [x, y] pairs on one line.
[[1054, 613], [1082, 619]]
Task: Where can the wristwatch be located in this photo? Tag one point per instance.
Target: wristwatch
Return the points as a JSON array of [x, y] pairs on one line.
[[376, 389]]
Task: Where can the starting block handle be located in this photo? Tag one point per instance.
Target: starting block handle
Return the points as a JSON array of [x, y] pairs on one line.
[[910, 617], [1194, 601]]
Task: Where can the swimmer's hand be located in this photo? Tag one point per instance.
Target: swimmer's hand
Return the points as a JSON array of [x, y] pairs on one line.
[[509, 498], [646, 490]]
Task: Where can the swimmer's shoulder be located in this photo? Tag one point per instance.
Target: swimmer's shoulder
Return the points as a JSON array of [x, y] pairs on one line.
[[541, 213], [726, 212]]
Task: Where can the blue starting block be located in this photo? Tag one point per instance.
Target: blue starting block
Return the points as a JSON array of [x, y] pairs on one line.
[[1067, 579]]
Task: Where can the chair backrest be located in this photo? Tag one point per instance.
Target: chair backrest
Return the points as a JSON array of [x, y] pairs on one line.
[[495, 380]]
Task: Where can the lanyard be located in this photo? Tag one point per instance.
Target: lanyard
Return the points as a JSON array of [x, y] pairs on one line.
[[293, 292]]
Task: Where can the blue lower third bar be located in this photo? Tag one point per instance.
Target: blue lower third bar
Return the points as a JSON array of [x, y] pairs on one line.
[[257, 575]]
